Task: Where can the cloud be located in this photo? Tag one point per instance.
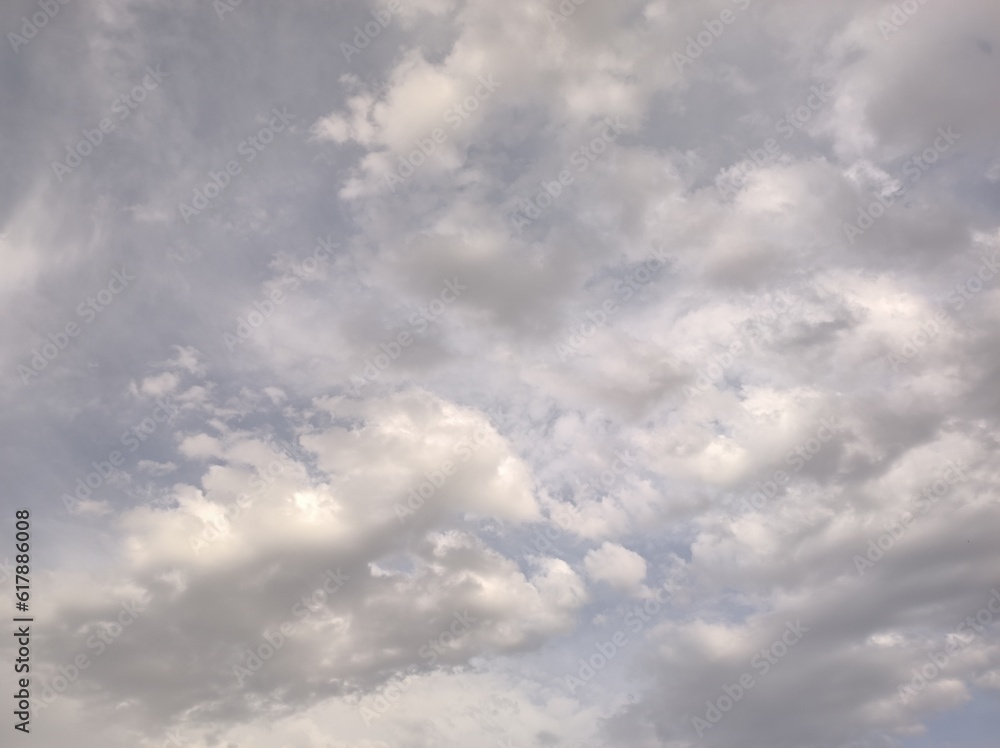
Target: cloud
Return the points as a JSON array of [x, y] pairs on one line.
[[417, 350], [616, 565]]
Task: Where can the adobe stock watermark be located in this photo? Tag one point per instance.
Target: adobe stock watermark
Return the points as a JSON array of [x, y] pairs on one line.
[[455, 115], [215, 528], [531, 209], [610, 477], [798, 117], [965, 291], [927, 499], [914, 168], [30, 27], [542, 540], [255, 658], [700, 42], [174, 736], [263, 309], [249, 148], [104, 469], [589, 666], [383, 702], [626, 289], [123, 106], [88, 310], [756, 158], [225, 6], [560, 520], [435, 647], [795, 119], [750, 331], [439, 645], [419, 321], [797, 458], [930, 329], [763, 661], [434, 479], [490, 717], [107, 634], [563, 12], [900, 16], [363, 36], [972, 626]]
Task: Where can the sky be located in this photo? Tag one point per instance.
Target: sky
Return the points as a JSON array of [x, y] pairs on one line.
[[546, 373]]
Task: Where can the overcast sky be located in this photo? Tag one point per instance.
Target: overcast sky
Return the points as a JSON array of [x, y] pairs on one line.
[[537, 373]]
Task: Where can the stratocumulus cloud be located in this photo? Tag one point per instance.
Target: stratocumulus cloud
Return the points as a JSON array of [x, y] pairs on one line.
[[538, 373]]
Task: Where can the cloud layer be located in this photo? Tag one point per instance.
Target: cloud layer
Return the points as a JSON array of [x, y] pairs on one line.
[[449, 372]]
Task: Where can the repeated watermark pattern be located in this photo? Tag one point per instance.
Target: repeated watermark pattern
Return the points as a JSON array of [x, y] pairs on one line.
[[602, 314], [247, 325], [914, 168], [698, 43], [926, 500], [419, 321], [531, 209], [249, 148], [31, 26], [762, 662], [900, 16], [961, 638], [455, 115], [931, 329], [88, 310], [796, 459], [123, 106], [255, 657], [363, 35]]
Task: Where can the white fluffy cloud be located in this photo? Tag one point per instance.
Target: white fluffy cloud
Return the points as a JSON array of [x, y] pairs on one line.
[[616, 565]]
